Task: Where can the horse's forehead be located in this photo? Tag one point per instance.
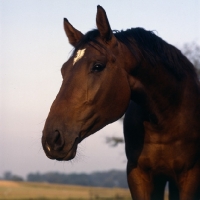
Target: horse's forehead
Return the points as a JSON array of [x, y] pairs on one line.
[[79, 54]]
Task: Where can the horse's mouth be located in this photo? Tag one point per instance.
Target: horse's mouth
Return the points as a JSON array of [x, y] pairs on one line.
[[62, 155], [59, 148], [71, 153]]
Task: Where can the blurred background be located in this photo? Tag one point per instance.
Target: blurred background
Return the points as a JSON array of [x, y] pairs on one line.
[[33, 48]]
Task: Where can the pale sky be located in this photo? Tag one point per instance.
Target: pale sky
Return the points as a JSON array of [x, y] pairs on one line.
[[32, 50]]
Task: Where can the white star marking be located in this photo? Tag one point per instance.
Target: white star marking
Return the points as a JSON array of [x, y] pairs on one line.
[[80, 53]]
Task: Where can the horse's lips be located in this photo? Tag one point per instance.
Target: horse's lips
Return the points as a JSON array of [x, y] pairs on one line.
[[72, 152], [69, 155]]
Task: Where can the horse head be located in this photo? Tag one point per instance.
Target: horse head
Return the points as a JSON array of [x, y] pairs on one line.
[[95, 90]]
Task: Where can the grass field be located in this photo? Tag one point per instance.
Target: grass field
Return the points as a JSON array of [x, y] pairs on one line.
[[44, 191]]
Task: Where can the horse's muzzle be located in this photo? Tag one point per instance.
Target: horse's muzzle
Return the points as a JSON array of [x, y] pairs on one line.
[[55, 147]]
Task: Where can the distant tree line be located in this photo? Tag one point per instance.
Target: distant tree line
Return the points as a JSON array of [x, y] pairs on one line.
[[11, 177], [113, 178]]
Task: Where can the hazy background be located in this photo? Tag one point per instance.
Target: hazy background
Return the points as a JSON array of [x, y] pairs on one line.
[[33, 47]]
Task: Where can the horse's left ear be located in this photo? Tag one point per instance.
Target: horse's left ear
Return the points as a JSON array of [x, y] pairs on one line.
[[73, 34], [103, 24]]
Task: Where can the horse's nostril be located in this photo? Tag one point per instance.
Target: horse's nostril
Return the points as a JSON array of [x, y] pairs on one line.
[[55, 141]]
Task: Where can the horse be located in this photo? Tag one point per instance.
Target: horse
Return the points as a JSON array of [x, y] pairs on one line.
[[136, 73]]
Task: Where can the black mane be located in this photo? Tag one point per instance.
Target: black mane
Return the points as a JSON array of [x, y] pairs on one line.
[[152, 48]]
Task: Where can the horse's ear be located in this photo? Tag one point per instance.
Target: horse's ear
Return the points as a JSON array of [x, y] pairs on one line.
[[103, 24], [74, 36]]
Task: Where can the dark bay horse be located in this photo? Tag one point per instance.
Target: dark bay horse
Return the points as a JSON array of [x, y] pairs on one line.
[[132, 71]]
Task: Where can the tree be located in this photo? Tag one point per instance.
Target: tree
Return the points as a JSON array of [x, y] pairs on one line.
[[192, 52], [114, 141], [11, 177], [7, 175]]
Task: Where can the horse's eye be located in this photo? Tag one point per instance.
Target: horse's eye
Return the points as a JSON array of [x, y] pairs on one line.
[[98, 68]]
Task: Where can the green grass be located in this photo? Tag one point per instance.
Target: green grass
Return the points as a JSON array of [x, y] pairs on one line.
[[43, 191]]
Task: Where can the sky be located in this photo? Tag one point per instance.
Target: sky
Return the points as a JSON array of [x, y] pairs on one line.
[[33, 47]]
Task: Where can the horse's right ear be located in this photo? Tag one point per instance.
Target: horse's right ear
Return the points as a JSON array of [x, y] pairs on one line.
[[74, 36]]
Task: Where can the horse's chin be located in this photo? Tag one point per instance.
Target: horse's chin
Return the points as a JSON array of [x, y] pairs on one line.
[[70, 155]]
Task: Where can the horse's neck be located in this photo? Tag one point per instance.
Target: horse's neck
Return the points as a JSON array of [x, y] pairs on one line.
[[163, 97]]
